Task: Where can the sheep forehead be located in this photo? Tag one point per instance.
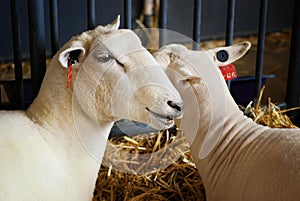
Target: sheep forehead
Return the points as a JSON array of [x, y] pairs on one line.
[[175, 51], [196, 63], [187, 61], [117, 42]]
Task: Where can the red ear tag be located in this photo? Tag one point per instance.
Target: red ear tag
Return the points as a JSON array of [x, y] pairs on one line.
[[228, 72], [69, 75]]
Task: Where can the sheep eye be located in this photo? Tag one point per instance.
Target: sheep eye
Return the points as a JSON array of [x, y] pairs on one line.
[[104, 57], [222, 55]]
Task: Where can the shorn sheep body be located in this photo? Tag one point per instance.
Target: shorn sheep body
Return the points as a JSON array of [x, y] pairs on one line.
[[237, 159], [53, 150]]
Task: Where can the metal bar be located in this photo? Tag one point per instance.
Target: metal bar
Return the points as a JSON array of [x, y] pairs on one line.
[[197, 24], [230, 22], [230, 27], [162, 22], [293, 91], [261, 45], [91, 6], [1, 87], [37, 43], [17, 54], [54, 26], [127, 14]]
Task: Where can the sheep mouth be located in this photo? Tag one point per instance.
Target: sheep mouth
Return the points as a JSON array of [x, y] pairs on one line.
[[164, 120]]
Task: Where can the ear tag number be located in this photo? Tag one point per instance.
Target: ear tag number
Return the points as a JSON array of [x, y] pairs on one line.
[[228, 72]]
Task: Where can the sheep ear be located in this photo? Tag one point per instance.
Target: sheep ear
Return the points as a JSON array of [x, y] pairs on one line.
[[227, 55], [70, 55], [115, 24], [193, 81]]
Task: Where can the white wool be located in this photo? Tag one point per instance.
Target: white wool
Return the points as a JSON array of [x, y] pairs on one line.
[[53, 151], [237, 159]]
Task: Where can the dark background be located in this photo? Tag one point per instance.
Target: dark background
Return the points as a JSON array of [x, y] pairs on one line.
[[73, 19]]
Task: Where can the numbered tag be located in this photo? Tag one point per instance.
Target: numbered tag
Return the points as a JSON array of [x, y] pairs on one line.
[[228, 72]]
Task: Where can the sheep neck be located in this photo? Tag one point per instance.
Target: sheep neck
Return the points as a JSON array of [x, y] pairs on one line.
[[53, 111], [234, 131]]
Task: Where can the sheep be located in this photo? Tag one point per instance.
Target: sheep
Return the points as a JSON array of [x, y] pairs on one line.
[[53, 150], [236, 158]]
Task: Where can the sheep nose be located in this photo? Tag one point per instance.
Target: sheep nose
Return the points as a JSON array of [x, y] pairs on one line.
[[176, 106]]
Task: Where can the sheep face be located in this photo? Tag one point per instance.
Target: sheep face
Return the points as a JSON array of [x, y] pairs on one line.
[[115, 77]]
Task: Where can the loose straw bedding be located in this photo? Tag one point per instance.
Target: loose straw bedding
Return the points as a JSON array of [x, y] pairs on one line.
[[179, 180]]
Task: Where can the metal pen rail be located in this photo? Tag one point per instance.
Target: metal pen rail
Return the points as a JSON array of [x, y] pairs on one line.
[[38, 41]]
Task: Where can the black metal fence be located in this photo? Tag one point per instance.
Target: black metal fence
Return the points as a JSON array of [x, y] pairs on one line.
[[38, 43]]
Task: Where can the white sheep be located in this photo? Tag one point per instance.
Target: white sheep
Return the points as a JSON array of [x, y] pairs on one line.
[[53, 150], [237, 159]]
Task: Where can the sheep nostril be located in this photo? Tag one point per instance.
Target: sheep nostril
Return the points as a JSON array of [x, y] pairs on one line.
[[177, 106]]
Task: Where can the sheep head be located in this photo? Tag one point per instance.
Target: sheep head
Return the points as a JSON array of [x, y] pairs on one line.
[[116, 77], [197, 77]]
